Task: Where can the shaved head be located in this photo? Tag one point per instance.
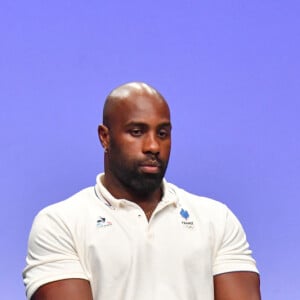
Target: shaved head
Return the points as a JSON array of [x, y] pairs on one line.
[[127, 91], [136, 137]]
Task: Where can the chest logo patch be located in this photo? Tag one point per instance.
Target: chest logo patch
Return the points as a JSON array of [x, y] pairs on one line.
[[184, 213], [102, 222], [186, 222]]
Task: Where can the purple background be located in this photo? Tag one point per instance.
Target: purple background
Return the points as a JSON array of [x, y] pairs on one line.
[[230, 71]]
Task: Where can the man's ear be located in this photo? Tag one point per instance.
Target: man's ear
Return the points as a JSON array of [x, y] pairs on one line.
[[103, 134]]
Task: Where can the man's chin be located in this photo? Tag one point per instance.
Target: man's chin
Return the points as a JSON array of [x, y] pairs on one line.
[[148, 183]]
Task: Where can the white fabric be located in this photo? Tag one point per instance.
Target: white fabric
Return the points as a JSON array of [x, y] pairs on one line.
[[110, 243]]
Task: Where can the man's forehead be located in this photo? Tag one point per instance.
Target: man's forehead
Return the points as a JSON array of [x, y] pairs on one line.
[[142, 109], [145, 106]]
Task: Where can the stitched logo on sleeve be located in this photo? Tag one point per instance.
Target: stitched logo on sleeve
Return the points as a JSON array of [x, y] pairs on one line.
[[185, 215], [102, 222]]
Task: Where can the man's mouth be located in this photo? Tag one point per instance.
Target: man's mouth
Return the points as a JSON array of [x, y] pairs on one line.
[[152, 166]]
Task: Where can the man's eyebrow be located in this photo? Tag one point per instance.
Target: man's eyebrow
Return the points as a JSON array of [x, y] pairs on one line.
[[166, 124]]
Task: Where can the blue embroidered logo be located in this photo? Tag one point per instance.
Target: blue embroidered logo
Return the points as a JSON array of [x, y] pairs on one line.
[[186, 223], [184, 214]]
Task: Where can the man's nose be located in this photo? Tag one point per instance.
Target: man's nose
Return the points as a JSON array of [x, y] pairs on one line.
[[151, 144]]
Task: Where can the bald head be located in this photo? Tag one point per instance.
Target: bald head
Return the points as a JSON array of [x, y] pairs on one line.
[[136, 137], [129, 92]]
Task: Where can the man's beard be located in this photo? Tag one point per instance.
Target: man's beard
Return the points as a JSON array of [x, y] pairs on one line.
[[144, 184], [140, 183]]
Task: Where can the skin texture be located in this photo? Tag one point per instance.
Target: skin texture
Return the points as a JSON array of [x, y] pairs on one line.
[[136, 137], [68, 289], [237, 286]]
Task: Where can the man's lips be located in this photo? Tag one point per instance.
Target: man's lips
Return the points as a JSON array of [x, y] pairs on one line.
[[150, 167]]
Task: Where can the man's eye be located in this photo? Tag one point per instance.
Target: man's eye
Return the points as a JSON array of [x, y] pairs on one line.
[[163, 133], [136, 132]]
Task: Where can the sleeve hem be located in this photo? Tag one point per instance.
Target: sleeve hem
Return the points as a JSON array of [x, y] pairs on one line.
[[237, 268]]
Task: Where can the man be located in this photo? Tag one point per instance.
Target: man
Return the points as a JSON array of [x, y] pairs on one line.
[[134, 236]]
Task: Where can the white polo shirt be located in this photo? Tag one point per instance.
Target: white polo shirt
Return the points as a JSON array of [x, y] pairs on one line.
[[109, 242]]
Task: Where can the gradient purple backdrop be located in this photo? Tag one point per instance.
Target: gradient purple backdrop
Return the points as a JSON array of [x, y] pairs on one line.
[[230, 71]]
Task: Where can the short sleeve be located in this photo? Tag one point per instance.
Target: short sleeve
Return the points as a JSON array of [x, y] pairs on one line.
[[233, 252], [51, 253]]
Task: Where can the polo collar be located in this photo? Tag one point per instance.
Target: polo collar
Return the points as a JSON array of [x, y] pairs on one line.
[[169, 194]]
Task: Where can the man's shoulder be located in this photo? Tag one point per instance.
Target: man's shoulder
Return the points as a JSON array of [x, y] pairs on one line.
[[197, 202], [63, 217], [208, 210], [78, 202]]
